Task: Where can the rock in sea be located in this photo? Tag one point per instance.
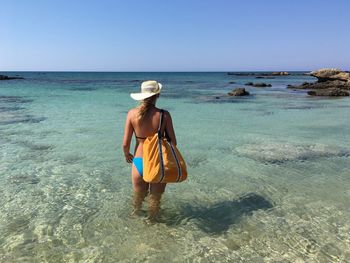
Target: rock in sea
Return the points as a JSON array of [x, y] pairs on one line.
[[4, 77], [258, 85], [280, 73], [330, 82], [238, 92], [263, 77], [331, 74]]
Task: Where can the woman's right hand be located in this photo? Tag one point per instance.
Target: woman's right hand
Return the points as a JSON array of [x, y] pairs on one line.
[[129, 157]]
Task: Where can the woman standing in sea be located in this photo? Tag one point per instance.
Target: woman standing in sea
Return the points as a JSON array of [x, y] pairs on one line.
[[143, 121]]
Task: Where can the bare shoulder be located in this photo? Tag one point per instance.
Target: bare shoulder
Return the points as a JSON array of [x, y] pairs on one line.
[[132, 112], [167, 115]]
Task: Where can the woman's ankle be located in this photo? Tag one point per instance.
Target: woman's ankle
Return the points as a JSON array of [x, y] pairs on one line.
[[154, 205], [138, 198]]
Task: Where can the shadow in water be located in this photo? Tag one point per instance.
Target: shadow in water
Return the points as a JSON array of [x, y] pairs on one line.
[[217, 218]]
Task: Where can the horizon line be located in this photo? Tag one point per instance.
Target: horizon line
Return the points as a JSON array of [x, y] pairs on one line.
[[141, 71]]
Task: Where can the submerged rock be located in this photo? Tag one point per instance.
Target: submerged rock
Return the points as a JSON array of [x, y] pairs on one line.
[[14, 119], [238, 92], [14, 99], [258, 85], [336, 84], [329, 92], [4, 77], [263, 77], [286, 152]]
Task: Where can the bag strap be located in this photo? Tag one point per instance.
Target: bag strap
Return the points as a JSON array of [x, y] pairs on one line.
[[160, 127], [161, 120], [162, 170]]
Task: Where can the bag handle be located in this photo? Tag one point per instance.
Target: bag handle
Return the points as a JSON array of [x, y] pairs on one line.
[[160, 127], [161, 120]]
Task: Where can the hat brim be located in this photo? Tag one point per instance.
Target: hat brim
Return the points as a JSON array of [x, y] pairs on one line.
[[145, 95]]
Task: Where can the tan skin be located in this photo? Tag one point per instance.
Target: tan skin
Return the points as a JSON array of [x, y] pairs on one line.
[[147, 127]]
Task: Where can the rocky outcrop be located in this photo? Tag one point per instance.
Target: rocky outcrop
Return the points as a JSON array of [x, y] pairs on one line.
[[238, 92], [4, 77], [258, 85], [280, 73], [331, 74], [330, 82]]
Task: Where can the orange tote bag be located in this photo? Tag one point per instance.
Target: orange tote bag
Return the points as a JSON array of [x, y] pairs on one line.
[[162, 161]]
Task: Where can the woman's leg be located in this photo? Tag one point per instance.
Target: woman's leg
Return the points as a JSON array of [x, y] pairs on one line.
[[140, 189], [156, 191]]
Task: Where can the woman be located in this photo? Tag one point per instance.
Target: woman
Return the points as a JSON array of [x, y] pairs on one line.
[[143, 121]]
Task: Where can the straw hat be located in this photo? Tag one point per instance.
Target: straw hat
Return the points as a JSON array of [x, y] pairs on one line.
[[148, 89]]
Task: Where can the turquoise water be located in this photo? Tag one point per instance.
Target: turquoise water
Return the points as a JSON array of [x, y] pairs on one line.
[[269, 174]]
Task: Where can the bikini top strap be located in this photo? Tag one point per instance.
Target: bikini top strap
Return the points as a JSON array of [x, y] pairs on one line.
[[142, 138]]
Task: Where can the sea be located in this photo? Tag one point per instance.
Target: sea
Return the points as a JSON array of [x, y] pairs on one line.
[[268, 174]]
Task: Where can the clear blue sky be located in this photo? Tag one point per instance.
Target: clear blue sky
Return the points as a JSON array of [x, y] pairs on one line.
[[178, 35]]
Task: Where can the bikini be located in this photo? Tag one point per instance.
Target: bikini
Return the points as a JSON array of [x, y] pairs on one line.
[[137, 161]]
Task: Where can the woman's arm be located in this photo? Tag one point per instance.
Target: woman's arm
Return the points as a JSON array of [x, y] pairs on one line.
[[128, 131], [169, 127]]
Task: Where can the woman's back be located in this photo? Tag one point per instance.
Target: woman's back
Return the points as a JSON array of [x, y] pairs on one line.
[[146, 126]]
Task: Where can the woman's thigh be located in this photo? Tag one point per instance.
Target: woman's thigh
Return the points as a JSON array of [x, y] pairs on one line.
[[138, 183]]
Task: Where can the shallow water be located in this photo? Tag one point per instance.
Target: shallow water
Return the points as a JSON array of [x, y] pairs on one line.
[[269, 174]]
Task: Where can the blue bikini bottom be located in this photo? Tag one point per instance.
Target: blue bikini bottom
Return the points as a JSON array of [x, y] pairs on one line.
[[137, 161]]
